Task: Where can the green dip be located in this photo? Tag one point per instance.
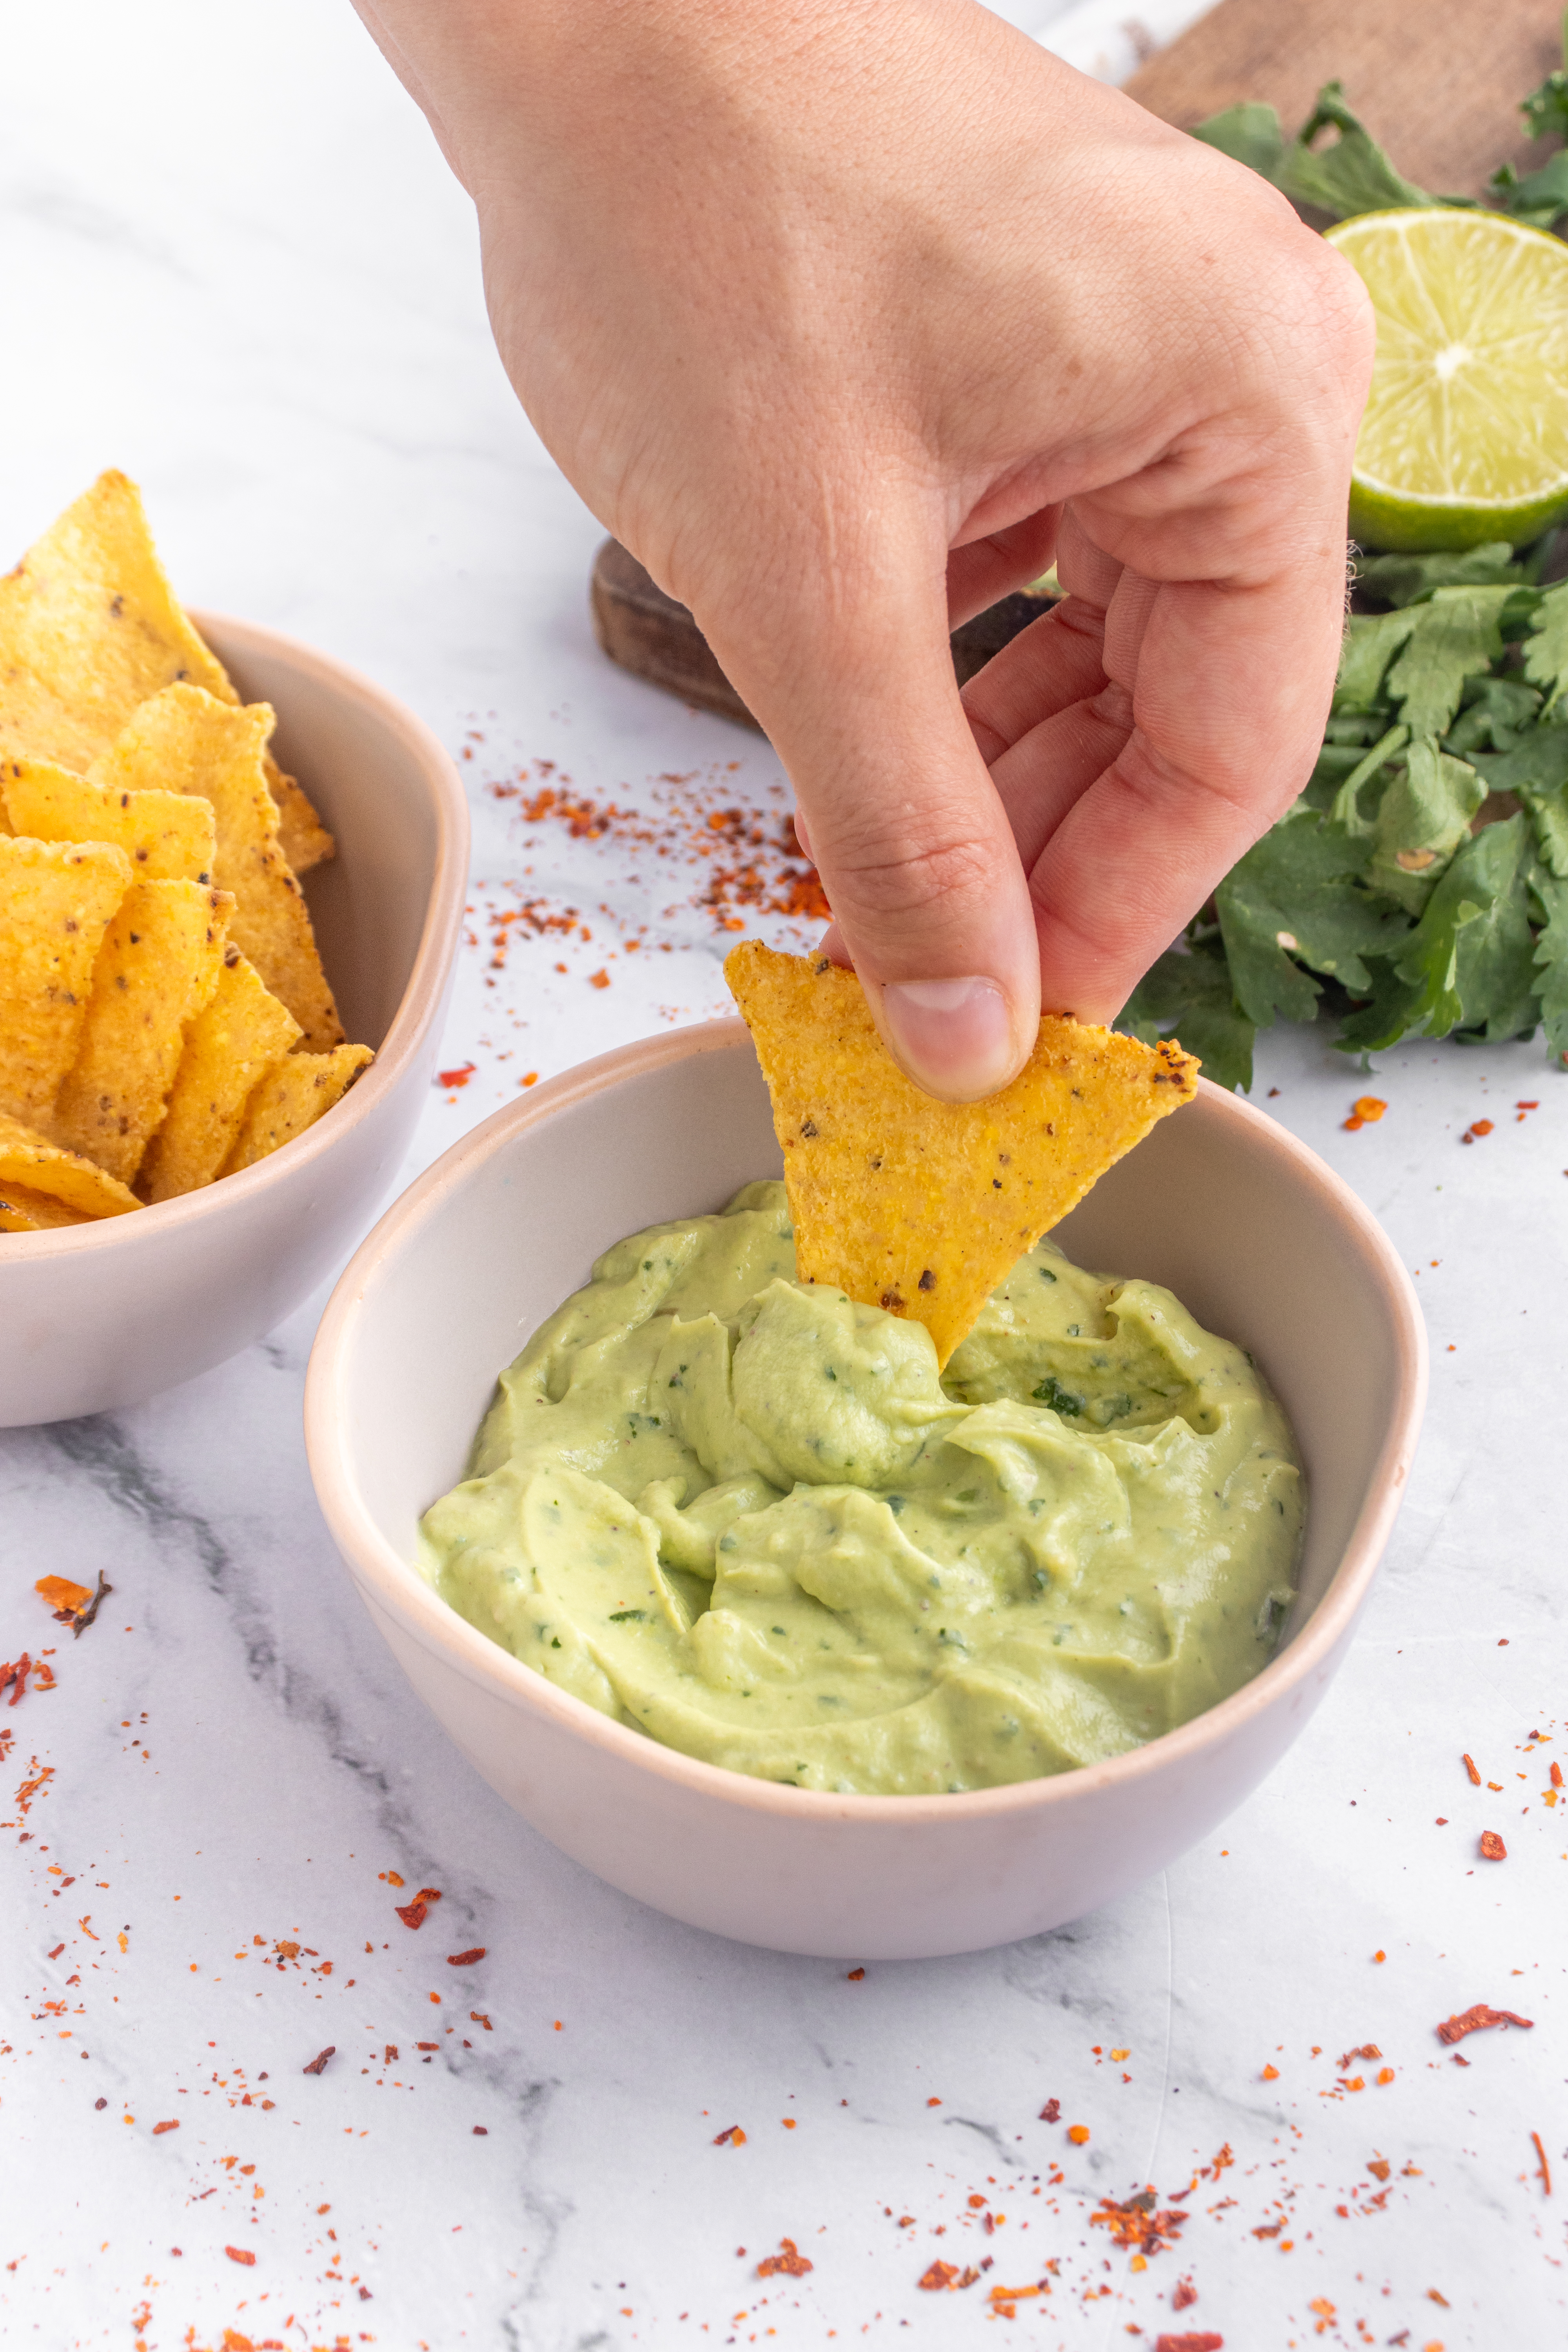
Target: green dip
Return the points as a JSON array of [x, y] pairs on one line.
[[747, 1516]]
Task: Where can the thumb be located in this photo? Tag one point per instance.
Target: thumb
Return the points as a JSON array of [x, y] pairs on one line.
[[852, 679]]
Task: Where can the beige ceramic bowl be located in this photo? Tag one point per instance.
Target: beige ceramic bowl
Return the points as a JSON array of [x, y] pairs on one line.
[[104, 1315], [1243, 1223]]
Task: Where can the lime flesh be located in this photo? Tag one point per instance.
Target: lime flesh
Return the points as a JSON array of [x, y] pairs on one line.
[[1465, 437]]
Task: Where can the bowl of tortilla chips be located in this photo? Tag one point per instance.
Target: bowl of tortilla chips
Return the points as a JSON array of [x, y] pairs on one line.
[[231, 880], [1244, 1224]]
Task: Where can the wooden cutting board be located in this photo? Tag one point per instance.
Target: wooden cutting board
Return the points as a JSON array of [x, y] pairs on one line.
[[1438, 82]]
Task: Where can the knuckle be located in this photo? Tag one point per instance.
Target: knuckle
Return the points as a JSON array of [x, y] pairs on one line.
[[911, 881]]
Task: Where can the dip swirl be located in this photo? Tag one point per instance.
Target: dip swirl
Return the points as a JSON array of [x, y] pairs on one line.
[[747, 1516]]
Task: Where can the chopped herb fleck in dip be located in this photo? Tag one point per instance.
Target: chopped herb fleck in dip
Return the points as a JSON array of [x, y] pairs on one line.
[[1106, 1497]]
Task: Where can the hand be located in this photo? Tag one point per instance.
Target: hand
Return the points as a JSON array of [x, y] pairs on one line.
[[846, 316]]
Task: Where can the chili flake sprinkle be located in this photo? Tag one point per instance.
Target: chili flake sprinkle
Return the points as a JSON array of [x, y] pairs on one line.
[[1469, 1764], [1473, 1134], [1492, 1847], [734, 2138], [792, 2262], [240, 2255], [1206, 2340], [318, 2064], [1366, 1110], [1477, 2021], [465, 1959]]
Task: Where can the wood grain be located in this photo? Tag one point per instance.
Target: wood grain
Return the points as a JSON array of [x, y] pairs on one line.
[[1438, 82]]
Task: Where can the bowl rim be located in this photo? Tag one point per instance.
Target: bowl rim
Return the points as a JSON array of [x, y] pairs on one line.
[[396, 1585], [427, 978]]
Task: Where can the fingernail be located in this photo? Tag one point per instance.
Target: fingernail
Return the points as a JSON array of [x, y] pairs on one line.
[[953, 1036]]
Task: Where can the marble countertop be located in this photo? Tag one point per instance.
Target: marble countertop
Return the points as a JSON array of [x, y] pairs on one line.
[[234, 264]]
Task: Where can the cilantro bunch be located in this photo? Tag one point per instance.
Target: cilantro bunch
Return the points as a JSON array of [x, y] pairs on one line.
[[1418, 888]]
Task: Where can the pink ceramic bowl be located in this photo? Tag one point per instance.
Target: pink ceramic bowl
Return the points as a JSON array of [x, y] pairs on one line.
[[1245, 1224], [103, 1314]]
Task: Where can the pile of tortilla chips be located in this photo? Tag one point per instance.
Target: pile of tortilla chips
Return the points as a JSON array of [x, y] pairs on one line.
[[923, 1207], [164, 1019]]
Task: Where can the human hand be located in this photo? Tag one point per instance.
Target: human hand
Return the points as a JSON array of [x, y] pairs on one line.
[[845, 317]]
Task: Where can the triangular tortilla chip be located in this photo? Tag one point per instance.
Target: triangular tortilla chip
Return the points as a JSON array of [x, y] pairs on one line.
[[23, 1211], [229, 1047], [158, 965], [186, 740], [56, 901], [922, 1207], [294, 1094], [167, 837], [89, 627], [27, 1158]]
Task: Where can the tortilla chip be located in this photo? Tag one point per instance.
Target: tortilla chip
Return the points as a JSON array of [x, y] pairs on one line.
[[89, 628], [922, 1207], [23, 1211], [294, 1094], [167, 837], [157, 967], [231, 1044], [301, 836], [56, 900], [186, 740], [29, 1159]]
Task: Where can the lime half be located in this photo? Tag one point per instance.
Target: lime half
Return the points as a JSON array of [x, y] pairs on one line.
[[1465, 437]]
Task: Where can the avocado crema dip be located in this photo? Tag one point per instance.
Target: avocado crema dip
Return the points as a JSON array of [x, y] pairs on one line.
[[747, 1516]]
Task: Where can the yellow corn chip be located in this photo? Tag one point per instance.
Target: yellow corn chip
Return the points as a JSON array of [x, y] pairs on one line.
[[89, 627], [294, 1093], [167, 837], [23, 1211], [186, 740], [232, 1043], [56, 899], [157, 967], [29, 1159], [301, 836], [922, 1207]]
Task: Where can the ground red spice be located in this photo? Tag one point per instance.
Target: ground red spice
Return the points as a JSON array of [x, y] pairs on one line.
[[465, 1959], [1471, 1134], [1477, 2021], [14, 1676], [1184, 2296], [857, 1976], [458, 1077], [318, 2064], [734, 2138], [164, 2128], [240, 2255], [1205, 2341], [1051, 2112], [792, 2262], [1469, 1764], [1492, 1847]]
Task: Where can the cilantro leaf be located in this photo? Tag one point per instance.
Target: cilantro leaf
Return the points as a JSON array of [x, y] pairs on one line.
[[1536, 771], [1546, 648], [1421, 818], [1188, 993], [1552, 961], [1471, 957], [1371, 642], [1403, 580], [1248, 134], [1296, 897], [1496, 712], [1351, 175], [1455, 637], [1540, 198]]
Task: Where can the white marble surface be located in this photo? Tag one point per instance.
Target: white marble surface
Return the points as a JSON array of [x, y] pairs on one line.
[[233, 264]]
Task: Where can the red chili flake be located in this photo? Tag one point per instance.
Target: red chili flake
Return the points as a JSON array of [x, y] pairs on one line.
[[426, 2045], [1542, 2169], [412, 1914], [389, 2054], [1481, 1126], [1078, 2134], [481, 2131], [318, 2064], [940, 2274], [1527, 1106], [1136, 2225], [1051, 2112], [1205, 2341], [1469, 1764], [598, 979], [478, 2017], [62, 1598], [1184, 2296], [1476, 2019], [734, 2138], [792, 2263], [164, 2128], [15, 1673], [1492, 1847], [1366, 2049], [454, 1077], [240, 2255], [1365, 1112], [857, 1976], [465, 1959], [56, 1953]]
